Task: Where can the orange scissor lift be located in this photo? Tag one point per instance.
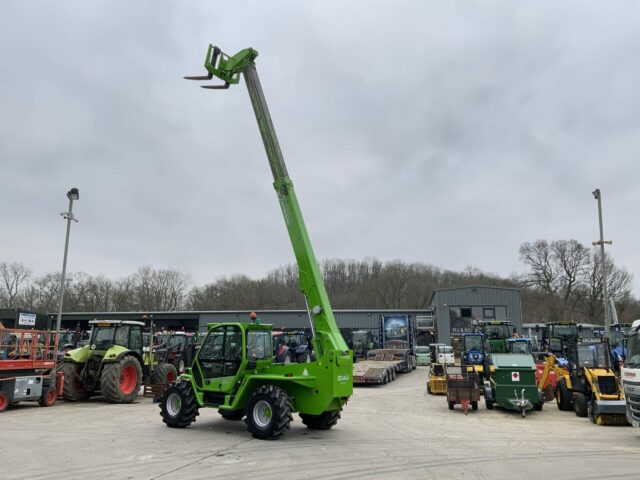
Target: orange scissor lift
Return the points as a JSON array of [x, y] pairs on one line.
[[28, 367]]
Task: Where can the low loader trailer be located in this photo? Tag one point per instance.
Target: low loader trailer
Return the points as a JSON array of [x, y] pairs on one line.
[[381, 366]]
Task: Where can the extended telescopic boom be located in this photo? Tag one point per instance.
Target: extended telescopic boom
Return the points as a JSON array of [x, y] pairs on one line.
[[326, 332]]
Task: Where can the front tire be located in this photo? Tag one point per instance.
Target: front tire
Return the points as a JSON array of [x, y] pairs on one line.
[[563, 398], [178, 406], [73, 387], [324, 421], [121, 380], [268, 412], [580, 404], [48, 397]]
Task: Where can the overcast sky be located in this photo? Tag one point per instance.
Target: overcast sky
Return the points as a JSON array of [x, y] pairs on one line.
[[438, 132]]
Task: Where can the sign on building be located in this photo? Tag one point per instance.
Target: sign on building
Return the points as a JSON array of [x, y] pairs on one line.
[[27, 319]]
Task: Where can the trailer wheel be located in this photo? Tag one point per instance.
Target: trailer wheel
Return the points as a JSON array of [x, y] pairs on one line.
[[451, 405], [4, 401], [233, 415], [165, 374], [324, 421], [268, 412], [385, 377], [414, 365], [73, 386], [121, 380], [48, 397], [393, 373], [580, 404], [474, 405], [538, 406], [563, 398], [178, 406]]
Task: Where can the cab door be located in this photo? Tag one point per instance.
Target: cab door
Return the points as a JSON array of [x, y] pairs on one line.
[[219, 359]]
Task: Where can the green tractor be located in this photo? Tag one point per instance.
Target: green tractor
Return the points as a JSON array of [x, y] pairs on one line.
[[233, 370], [114, 364], [496, 333]]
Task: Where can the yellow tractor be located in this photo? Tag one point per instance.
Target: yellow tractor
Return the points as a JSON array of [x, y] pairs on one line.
[[588, 385]]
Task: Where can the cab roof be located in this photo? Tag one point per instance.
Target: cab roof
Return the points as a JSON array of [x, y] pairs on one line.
[[116, 322]]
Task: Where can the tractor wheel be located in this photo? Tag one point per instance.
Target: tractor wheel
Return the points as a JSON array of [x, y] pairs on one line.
[[324, 421], [306, 358], [393, 373], [121, 380], [165, 374], [414, 365], [451, 405], [178, 406], [48, 397], [4, 401], [474, 405], [538, 406], [385, 377], [268, 412], [181, 366], [549, 393], [231, 414], [488, 402], [73, 388], [580, 404], [287, 358], [563, 398]]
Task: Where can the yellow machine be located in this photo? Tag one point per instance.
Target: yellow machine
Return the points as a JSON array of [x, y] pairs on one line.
[[588, 385], [437, 383]]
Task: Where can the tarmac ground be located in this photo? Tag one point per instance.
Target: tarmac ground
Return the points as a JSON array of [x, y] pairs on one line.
[[386, 432]]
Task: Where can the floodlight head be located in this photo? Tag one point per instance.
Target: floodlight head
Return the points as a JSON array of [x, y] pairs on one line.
[[596, 193], [73, 194]]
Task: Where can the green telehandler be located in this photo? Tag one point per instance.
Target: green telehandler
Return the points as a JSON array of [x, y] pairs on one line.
[[114, 364], [233, 370]]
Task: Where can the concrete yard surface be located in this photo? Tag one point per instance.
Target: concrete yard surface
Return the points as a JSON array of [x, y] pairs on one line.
[[386, 432]]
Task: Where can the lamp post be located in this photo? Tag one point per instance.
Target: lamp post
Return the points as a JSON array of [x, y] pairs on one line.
[[607, 316], [68, 216]]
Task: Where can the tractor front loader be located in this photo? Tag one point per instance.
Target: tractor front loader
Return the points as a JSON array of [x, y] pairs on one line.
[[114, 364], [588, 385], [233, 370]]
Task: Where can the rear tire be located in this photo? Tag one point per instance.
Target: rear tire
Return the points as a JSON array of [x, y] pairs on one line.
[[324, 421], [474, 405], [73, 387], [178, 406], [451, 405], [165, 374], [48, 397], [563, 398], [120, 381], [4, 401], [580, 404], [233, 415], [268, 412]]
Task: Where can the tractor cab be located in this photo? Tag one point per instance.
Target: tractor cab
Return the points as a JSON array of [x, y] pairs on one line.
[[495, 334], [559, 335], [519, 345], [473, 349], [617, 342], [227, 353], [362, 342], [181, 347]]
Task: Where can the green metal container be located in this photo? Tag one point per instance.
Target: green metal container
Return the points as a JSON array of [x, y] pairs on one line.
[[513, 383]]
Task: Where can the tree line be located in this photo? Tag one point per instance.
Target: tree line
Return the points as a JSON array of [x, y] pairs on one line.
[[562, 281]]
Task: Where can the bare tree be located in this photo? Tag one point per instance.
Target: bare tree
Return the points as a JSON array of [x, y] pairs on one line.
[[12, 280]]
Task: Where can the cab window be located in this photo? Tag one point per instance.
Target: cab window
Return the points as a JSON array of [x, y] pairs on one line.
[[258, 344]]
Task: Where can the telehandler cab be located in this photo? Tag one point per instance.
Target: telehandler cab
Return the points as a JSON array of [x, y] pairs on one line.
[[233, 370]]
